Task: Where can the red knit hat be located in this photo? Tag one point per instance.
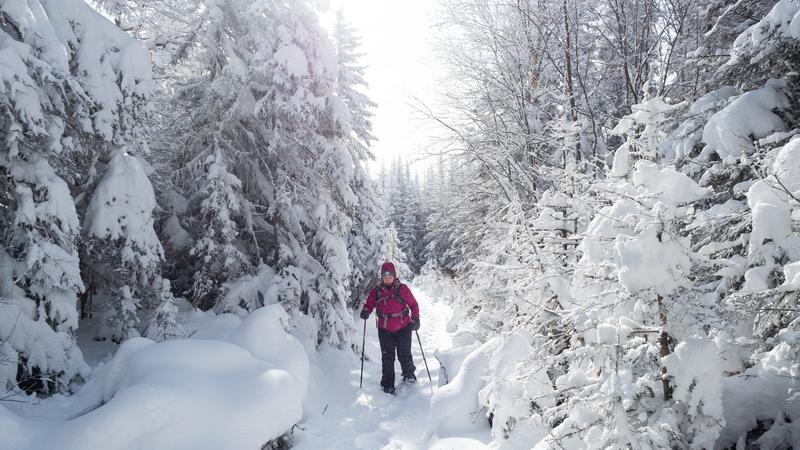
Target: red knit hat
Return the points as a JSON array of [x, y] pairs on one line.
[[388, 267]]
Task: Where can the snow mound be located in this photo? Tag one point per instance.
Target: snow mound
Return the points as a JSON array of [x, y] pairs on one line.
[[458, 444], [455, 407], [264, 336], [169, 395]]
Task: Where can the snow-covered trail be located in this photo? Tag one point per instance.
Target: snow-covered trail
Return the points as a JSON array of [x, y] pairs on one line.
[[340, 415]]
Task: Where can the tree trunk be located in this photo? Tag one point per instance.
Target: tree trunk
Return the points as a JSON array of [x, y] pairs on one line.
[[573, 116], [663, 340]]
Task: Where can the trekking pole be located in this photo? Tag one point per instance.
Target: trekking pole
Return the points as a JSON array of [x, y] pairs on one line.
[[363, 343], [425, 360]]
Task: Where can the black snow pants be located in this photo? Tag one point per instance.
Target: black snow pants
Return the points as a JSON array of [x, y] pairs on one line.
[[401, 342]]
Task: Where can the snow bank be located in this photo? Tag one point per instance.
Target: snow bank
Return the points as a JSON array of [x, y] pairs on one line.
[[450, 360], [170, 395], [493, 386], [459, 443], [508, 400], [263, 335], [455, 407]]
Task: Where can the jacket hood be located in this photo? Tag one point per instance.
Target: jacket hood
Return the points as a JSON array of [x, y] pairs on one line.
[[388, 266]]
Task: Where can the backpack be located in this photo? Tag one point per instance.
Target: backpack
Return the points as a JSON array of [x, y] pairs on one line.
[[396, 295]]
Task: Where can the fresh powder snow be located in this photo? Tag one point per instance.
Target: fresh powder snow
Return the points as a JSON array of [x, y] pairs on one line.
[[237, 384]]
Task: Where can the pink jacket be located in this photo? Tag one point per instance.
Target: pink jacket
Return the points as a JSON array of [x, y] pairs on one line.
[[389, 314]]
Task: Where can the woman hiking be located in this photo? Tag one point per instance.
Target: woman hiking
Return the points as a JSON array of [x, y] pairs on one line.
[[397, 316]]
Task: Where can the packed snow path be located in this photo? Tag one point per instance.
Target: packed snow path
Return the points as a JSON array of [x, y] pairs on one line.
[[339, 415]]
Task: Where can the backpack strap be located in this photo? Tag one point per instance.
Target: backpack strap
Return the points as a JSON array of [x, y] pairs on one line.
[[378, 297], [406, 309], [396, 294]]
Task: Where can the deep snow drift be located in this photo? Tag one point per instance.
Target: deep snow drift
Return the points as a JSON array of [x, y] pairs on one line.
[[236, 388], [237, 384]]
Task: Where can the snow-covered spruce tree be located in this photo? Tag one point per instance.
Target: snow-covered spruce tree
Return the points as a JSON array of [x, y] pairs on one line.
[[461, 222], [121, 252], [391, 251], [211, 88], [402, 203], [439, 223], [121, 248], [714, 144], [365, 237], [264, 96], [164, 324], [315, 177], [217, 257], [74, 88], [404, 210], [417, 213], [639, 310], [171, 43], [351, 84]]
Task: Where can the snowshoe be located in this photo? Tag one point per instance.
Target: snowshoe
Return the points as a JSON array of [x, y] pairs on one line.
[[411, 379], [389, 390]]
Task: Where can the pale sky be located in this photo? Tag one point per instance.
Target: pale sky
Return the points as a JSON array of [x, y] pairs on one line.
[[396, 40]]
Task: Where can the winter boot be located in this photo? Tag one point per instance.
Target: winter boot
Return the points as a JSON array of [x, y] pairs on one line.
[[389, 390], [409, 378]]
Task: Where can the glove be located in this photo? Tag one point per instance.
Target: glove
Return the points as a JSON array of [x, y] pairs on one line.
[[415, 324], [364, 314]]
